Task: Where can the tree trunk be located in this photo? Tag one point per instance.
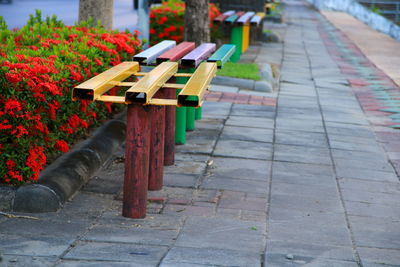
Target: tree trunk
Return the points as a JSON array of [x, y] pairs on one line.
[[197, 28], [97, 9]]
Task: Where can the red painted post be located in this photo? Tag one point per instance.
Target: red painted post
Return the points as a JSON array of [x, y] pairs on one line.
[[137, 149], [157, 136], [169, 145]]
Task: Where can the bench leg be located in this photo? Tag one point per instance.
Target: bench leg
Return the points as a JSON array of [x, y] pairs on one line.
[[156, 161], [137, 150], [169, 143], [199, 113], [237, 39]]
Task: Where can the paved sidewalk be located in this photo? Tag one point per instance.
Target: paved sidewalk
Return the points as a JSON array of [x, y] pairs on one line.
[[301, 177]]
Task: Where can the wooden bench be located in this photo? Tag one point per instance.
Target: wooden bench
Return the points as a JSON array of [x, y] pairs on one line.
[[148, 139]]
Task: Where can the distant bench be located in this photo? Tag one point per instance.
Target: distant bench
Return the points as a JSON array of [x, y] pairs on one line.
[[239, 25]]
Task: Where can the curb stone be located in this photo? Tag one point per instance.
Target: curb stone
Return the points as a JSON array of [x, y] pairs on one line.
[[66, 175]]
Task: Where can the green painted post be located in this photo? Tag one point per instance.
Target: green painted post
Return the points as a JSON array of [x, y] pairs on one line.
[[199, 112], [237, 39], [190, 111], [180, 122]]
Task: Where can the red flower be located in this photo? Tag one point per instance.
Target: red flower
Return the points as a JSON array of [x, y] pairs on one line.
[[19, 131], [12, 106], [98, 62], [162, 20], [152, 31], [61, 145], [35, 161], [13, 77]]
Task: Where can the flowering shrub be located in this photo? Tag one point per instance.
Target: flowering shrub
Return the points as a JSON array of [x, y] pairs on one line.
[[167, 21], [39, 66]]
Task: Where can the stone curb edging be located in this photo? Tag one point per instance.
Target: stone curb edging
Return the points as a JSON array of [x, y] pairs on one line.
[[65, 176], [266, 84]]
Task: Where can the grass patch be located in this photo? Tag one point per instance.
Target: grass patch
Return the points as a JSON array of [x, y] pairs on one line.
[[240, 70]]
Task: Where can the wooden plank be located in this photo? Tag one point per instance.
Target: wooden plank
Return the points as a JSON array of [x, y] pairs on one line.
[[193, 92], [258, 17], [93, 88], [149, 55], [194, 58], [177, 52], [245, 18], [223, 16], [222, 55], [146, 87], [231, 19]]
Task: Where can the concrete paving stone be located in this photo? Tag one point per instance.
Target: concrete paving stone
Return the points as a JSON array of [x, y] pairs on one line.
[[240, 169], [154, 221], [377, 238], [371, 264], [380, 256], [258, 205], [228, 213], [303, 204], [353, 130], [309, 139], [215, 109], [243, 149], [209, 124], [247, 134], [239, 185], [253, 113], [288, 178], [191, 157], [371, 197], [222, 88], [132, 233], [368, 223], [373, 210], [299, 250], [310, 191], [302, 154], [43, 228], [370, 186], [180, 180], [222, 233], [316, 116], [211, 257], [280, 260], [33, 261], [299, 110], [109, 251], [344, 145], [199, 141], [366, 175], [185, 210], [257, 93], [253, 122], [325, 229], [346, 119], [353, 139], [254, 215], [92, 263], [186, 167], [180, 264], [330, 79], [300, 125], [364, 164], [255, 108], [287, 101], [34, 245]]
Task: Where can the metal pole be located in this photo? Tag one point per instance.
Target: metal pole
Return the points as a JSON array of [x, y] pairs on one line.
[[144, 21], [137, 150]]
